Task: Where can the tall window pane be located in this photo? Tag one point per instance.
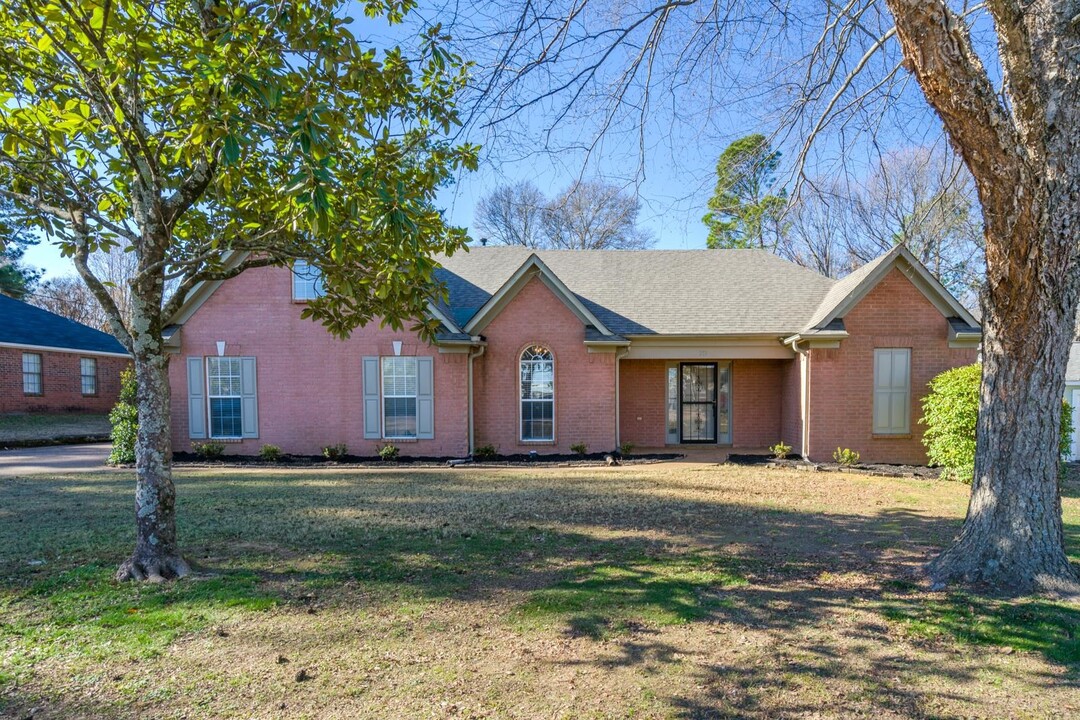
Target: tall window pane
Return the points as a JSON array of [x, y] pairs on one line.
[[307, 281], [399, 383], [537, 394], [88, 372], [31, 368], [226, 410]]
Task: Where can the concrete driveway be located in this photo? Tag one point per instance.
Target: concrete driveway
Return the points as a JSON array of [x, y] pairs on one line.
[[53, 459]]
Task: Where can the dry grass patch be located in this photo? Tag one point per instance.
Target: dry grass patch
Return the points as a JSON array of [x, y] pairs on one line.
[[651, 591]]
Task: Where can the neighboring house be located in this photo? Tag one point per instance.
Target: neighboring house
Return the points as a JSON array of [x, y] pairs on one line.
[[542, 350], [1072, 396], [51, 364]]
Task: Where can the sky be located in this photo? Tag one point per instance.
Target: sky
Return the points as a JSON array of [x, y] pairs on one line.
[[666, 155]]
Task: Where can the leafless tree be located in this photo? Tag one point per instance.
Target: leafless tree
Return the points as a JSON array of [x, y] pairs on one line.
[[826, 75], [588, 215], [512, 215], [69, 297]]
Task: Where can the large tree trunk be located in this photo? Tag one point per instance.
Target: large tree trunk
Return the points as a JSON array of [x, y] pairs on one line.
[[1025, 158], [157, 555]]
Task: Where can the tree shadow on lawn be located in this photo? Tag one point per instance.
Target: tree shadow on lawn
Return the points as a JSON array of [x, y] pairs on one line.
[[611, 562]]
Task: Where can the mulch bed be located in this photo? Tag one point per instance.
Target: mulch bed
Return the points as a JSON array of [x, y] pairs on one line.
[[877, 469], [354, 461]]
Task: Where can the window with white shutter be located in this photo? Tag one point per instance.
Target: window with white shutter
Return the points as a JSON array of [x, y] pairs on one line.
[[892, 391]]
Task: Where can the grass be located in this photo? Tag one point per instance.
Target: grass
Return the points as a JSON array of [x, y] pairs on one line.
[[31, 427], [647, 591]]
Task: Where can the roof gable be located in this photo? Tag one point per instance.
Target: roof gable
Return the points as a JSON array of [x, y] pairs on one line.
[[27, 326], [533, 267], [847, 293]]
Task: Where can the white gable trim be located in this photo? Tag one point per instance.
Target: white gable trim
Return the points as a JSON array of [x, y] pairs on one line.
[[532, 267], [920, 277]]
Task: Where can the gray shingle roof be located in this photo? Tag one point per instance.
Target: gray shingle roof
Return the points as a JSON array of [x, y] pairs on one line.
[[647, 292], [23, 324]]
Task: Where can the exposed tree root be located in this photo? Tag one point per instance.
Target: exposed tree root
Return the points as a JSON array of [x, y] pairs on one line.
[[962, 564], [157, 568]]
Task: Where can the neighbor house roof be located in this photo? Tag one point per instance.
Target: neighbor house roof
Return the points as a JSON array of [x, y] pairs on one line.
[[27, 326], [652, 292]]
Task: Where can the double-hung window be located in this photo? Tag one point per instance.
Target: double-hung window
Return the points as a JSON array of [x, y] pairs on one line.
[[537, 394], [399, 390], [88, 375], [892, 391], [226, 404], [307, 281], [31, 374]]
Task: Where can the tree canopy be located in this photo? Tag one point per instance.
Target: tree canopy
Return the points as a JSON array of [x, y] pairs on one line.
[[746, 210]]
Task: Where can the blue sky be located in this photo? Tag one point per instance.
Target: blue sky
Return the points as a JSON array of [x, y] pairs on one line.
[[669, 165]]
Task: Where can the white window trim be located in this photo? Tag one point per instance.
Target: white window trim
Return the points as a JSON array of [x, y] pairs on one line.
[[83, 376], [316, 284], [523, 400], [891, 431], [415, 396], [209, 398], [40, 374]]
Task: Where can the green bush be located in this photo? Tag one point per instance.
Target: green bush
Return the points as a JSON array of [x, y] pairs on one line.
[[780, 450], [335, 452], [950, 413], [270, 453], [389, 451], [626, 448], [209, 450], [124, 418], [485, 452], [846, 457], [580, 448]]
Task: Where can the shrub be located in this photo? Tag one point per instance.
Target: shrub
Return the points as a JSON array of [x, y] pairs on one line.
[[389, 451], [335, 452], [270, 453], [780, 450], [626, 448], [485, 452], [209, 450], [580, 448], [950, 413], [124, 418], [846, 457]]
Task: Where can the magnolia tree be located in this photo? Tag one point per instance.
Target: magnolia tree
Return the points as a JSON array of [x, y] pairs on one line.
[[208, 138]]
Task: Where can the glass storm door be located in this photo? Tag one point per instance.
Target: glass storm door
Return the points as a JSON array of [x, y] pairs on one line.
[[697, 394]]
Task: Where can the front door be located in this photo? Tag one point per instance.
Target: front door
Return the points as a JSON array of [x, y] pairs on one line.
[[697, 399]]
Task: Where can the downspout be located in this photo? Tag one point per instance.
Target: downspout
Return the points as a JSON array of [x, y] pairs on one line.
[[804, 398], [472, 428], [620, 353]]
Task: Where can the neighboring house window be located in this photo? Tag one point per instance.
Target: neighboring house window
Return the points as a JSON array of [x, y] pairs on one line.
[[537, 394], [88, 372], [224, 392], [307, 281], [892, 391], [31, 374], [399, 389]]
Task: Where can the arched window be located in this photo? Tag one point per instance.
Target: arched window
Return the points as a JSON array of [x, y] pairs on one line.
[[537, 394]]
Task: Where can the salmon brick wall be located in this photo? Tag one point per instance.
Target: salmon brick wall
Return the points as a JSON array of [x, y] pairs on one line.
[[895, 314], [61, 380], [643, 402], [309, 383], [791, 405], [584, 381]]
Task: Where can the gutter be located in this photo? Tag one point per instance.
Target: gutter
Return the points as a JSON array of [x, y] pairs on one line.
[[620, 353], [804, 395], [471, 423]]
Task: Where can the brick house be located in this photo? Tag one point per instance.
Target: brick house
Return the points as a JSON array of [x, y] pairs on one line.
[[51, 364], [542, 350]]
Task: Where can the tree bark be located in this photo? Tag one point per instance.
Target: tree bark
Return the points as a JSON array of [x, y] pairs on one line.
[[157, 556], [1025, 158]]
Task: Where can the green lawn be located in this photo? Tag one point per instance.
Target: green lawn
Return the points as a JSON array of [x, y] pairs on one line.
[[51, 426], [670, 590]]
